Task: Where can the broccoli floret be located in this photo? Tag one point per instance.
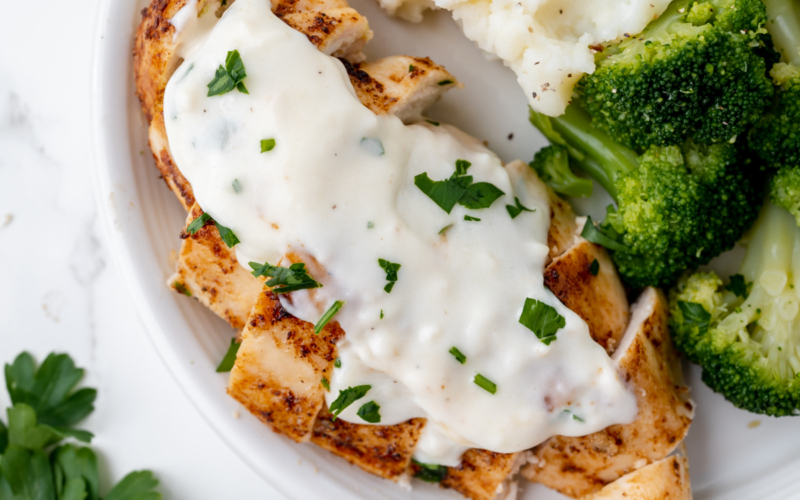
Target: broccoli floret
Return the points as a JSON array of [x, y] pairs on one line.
[[746, 336], [677, 206], [552, 166], [696, 71], [784, 190]]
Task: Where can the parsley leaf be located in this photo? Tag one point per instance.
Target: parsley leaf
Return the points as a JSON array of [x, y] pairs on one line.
[[27, 474], [738, 286], [75, 472], [24, 431], [480, 195], [542, 319], [458, 355], [485, 384], [445, 228], [445, 82], [267, 145], [329, 314], [594, 267], [325, 383], [470, 218], [48, 390], [138, 485], [370, 412], [3, 437], [435, 124], [391, 269], [181, 288], [517, 208], [290, 279], [229, 77], [225, 233], [444, 193], [695, 314], [346, 398], [461, 167], [337, 363], [592, 233], [430, 473], [229, 359]]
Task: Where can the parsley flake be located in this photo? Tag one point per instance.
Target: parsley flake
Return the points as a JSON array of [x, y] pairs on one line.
[[381, 313], [229, 77], [181, 288], [430, 473], [391, 269], [237, 187], [593, 234], [370, 412], [738, 286], [695, 314], [285, 280], [225, 233], [444, 193], [517, 208], [346, 398], [458, 189], [543, 320], [480, 195], [229, 359], [445, 82], [338, 363], [410, 68], [329, 314], [325, 384], [485, 384], [445, 228], [471, 219], [372, 146], [458, 355], [267, 145], [435, 124], [594, 267]]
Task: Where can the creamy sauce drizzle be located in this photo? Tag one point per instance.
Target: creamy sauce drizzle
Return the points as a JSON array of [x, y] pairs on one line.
[[339, 203]]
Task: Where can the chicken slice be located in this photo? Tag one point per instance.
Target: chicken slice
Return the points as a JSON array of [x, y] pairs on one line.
[[667, 479], [279, 367], [483, 474], [579, 466]]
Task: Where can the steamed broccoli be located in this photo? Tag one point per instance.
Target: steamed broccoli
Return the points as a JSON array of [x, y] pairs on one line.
[[696, 71], [552, 166], [776, 138], [678, 206], [746, 335]]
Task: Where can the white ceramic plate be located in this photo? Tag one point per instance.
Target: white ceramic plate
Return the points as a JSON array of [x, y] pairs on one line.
[[730, 457]]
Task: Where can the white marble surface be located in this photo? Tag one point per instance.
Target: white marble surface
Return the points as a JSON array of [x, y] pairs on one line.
[[59, 290]]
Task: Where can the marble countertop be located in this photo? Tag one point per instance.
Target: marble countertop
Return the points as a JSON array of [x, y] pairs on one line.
[[59, 290]]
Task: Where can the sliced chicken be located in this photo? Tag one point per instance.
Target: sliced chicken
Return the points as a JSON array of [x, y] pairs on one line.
[[483, 474], [667, 479], [579, 466]]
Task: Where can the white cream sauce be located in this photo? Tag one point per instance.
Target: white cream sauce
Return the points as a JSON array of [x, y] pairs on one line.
[[331, 198]]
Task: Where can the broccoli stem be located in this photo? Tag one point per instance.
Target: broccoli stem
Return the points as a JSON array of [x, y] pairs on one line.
[[770, 254], [604, 159], [784, 27]]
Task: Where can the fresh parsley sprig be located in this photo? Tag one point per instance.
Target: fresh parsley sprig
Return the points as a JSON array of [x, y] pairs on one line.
[[229, 77], [285, 280], [225, 233], [542, 319], [35, 464]]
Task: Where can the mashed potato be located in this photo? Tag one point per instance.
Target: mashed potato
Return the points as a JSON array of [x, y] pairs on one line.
[[546, 42]]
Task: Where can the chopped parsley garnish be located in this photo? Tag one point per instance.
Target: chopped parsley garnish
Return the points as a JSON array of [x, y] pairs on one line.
[[225, 233], [370, 412], [458, 355], [574, 417], [471, 219], [229, 359], [237, 187], [592, 233], [329, 314], [381, 313], [445, 228], [594, 267], [435, 124], [229, 77], [458, 189], [485, 384], [373, 146], [430, 473], [445, 82], [517, 208], [338, 363], [285, 280], [35, 463], [410, 68], [391, 269], [695, 314], [370, 224], [181, 288], [738, 286], [542, 319], [346, 398], [267, 145], [325, 384]]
